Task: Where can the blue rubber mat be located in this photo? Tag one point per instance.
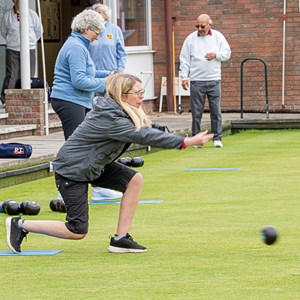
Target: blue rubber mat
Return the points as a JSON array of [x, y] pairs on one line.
[[150, 201], [213, 169], [105, 202], [30, 253], [118, 202]]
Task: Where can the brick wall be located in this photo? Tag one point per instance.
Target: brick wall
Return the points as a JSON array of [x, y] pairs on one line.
[[26, 107], [253, 28]]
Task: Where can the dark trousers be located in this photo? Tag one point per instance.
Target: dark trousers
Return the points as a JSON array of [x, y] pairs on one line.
[[70, 114], [13, 67], [199, 91], [75, 194]]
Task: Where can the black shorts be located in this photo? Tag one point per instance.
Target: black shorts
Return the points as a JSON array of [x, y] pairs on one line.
[[115, 176]]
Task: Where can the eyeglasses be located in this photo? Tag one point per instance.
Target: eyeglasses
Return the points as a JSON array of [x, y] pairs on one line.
[[96, 32], [201, 26], [139, 93]]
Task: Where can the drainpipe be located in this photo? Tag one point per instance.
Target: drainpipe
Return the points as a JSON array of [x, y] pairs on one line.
[[283, 55], [169, 63], [24, 40]]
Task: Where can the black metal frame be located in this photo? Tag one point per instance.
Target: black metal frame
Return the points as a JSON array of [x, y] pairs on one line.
[[266, 83]]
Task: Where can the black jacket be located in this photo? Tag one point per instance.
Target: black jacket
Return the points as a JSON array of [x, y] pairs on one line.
[[102, 137]]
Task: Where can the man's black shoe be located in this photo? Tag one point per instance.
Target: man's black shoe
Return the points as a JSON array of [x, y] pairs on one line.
[[125, 245], [14, 234]]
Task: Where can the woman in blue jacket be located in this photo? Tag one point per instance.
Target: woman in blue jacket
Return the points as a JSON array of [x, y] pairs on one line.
[[75, 76], [89, 156]]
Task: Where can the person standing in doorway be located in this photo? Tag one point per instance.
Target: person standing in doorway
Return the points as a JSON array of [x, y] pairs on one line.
[[108, 53], [10, 31], [200, 69]]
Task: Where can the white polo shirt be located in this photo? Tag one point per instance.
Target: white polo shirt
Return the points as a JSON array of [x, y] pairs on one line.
[[194, 65]]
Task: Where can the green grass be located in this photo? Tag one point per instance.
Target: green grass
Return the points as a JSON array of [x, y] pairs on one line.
[[203, 240]]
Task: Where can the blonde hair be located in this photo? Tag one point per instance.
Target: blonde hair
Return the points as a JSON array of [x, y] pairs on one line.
[[122, 83]]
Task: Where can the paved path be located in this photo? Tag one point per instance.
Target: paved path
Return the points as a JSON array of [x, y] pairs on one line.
[[47, 146]]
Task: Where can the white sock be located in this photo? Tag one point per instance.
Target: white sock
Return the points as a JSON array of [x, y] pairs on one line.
[[118, 237], [20, 223]]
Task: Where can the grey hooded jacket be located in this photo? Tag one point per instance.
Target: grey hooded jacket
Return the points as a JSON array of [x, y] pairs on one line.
[[106, 132]]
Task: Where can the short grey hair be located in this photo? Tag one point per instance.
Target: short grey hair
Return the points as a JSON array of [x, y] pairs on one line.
[[104, 8], [88, 19]]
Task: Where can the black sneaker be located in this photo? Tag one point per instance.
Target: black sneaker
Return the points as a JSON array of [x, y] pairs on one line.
[[14, 234], [125, 245]]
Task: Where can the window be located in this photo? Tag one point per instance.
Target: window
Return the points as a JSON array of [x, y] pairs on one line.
[[134, 18]]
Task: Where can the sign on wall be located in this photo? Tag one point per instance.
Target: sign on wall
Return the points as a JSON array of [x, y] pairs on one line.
[[50, 11]]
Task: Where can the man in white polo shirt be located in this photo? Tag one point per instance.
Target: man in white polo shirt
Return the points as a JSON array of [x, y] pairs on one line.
[[200, 68], [10, 30]]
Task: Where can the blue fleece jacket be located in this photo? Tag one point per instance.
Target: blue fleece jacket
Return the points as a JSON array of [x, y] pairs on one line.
[[75, 75], [108, 52]]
